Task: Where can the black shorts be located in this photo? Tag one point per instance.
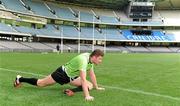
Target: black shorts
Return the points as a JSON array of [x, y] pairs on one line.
[[61, 77]]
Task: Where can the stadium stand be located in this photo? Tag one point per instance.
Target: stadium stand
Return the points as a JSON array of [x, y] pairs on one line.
[[15, 5], [113, 48], [36, 45], [86, 47], [110, 25], [87, 17], [51, 45], [175, 49], [13, 45], [159, 49], [99, 47], [39, 8], [87, 33], [105, 19], [28, 30], [2, 7], [62, 12], [154, 35], [50, 31], [86, 14], [138, 49], [70, 32], [123, 17], [1, 47], [6, 28], [113, 34], [176, 3], [170, 17]]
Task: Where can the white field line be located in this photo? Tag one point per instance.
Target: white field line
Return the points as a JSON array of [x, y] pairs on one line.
[[142, 92], [106, 86], [19, 71]]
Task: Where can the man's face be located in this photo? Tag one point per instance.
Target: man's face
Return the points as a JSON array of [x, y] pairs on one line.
[[97, 59]]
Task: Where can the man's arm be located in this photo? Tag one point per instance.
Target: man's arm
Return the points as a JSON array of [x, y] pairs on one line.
[[93, 78], [85, 87], [94, 81]]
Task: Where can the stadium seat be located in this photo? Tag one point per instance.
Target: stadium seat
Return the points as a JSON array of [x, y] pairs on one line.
[[15, 5], [39, 8]]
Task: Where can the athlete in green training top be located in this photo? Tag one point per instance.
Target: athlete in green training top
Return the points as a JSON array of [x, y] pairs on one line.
[[73, 72]]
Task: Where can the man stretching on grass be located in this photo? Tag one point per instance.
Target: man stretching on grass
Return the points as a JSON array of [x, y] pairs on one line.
[[73, 72]]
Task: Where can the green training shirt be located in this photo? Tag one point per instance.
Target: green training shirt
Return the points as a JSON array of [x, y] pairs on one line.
[[80, 62]]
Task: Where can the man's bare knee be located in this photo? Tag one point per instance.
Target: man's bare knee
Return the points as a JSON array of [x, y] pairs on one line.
[[90, 86]]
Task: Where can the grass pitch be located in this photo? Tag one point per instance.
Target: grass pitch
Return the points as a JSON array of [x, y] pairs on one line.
[[129, 79]]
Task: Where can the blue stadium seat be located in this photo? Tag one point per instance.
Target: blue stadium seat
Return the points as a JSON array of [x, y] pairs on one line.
[[87, 33], [15, 5], [51, 31], [27, 30], [87, 17], [126, 32], [6, 28], [106, 19], [70, 32], [112, 34], [63, 13], [39, 8], [156, 35]]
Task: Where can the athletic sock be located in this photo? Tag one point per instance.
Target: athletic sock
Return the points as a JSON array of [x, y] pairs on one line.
[[32, 81], [78, 89]]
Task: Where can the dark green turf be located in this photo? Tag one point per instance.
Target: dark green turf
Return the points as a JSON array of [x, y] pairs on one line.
[[151, 73]]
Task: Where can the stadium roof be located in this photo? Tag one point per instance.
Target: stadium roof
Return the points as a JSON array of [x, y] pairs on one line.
[[120, 4], [115, 4]]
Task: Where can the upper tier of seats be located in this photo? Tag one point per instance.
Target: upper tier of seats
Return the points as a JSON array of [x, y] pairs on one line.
[[15, 5], [39, 8], [69, 12]]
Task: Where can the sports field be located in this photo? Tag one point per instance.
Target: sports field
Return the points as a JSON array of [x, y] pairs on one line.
[[129, 79]]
